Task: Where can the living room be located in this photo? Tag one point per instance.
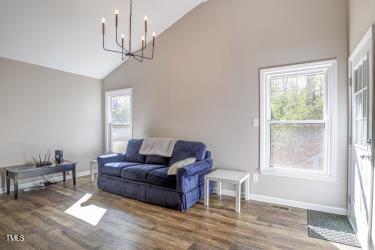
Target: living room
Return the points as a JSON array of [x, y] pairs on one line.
[[193, 124]]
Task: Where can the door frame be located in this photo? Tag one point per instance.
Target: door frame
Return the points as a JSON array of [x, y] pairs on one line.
[[370, 35]]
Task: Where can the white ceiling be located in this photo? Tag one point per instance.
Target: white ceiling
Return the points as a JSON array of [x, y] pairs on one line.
[[66, 34]]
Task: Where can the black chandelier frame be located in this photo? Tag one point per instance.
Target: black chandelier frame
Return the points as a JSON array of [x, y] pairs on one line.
[[125, 54]]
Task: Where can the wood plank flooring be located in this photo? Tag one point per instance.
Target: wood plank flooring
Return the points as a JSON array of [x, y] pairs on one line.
[[40, 216]]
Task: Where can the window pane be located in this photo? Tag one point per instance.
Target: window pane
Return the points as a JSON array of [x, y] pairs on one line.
[[298, 146], [359, 105], [297, 97], [120, 136], [120, 109]]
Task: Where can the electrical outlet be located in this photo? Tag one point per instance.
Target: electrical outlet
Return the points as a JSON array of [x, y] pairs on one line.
[[255, 177], [255, 122]]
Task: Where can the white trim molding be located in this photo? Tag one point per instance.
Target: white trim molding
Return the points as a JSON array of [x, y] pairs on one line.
[[299, 204], [289, 203], [328, 69]]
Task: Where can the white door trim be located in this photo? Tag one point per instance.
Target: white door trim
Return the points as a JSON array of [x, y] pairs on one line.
[[366, 40]]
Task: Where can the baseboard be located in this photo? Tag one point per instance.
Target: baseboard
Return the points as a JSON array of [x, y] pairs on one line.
[[35, 183], [289, 203]]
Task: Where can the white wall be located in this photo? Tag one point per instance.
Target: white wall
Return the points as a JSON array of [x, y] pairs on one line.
[[204, 81], [361, 17], [43, 109]]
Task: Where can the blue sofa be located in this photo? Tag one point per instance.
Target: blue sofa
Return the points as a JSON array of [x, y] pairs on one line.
[[145, 178]]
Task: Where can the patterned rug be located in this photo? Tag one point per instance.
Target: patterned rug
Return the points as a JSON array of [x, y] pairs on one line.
[[331, 227]]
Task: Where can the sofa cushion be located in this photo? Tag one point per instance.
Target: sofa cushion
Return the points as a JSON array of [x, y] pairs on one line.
[[157, 160], [188, 149], [160, 177], [132, 151], [139, 172], [114, 168]]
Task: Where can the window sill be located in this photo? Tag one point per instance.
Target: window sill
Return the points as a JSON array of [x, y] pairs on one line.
[[308, 176]]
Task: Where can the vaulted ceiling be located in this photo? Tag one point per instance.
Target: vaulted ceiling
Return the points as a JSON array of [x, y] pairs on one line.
[[66, 34]]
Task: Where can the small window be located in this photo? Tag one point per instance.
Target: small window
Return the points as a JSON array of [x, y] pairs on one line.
[[118, 119], [298, 119]]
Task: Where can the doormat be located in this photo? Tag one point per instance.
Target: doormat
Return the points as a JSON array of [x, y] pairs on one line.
[[331, 227]]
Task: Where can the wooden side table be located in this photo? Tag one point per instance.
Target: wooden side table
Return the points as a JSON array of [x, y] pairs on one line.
[[93, 169], [234, 177]]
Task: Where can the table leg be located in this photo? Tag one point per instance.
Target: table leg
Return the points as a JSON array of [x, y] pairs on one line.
[[219, 188], [247, 189], [64, 176], [8, 182], [238, 197], [206, 192], [15, 186], [74, 176]]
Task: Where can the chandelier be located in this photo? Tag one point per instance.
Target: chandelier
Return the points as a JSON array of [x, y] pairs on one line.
[[129, 53]]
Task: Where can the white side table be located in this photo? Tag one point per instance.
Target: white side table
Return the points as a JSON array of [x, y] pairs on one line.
[[93, 169], [234, 177]]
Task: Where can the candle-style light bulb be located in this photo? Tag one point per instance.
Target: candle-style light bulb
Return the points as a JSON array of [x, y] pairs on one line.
[[146, 20], [116, 18], [122, 40], [103, 26], [153, 39]]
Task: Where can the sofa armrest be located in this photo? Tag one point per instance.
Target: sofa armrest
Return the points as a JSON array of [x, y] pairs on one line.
[[104, 159], [188, 176], [195, 168]]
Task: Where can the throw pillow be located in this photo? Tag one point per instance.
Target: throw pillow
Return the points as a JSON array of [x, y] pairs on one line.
[[188, 149], [132, 151], [180, 164], [157, 160]]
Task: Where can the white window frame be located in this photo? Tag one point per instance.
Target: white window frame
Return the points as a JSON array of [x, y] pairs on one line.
[[108, 95], [329, 69]]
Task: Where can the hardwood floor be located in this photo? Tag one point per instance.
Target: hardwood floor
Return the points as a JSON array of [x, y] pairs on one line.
[[40, 216]]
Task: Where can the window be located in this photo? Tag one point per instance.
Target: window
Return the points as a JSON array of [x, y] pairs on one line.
[[118, 116], [298, 127]]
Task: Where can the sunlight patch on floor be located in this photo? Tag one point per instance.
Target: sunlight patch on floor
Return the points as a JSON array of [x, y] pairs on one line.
[[91, 214]]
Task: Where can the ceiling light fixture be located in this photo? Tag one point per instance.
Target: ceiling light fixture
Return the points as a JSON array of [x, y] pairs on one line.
[[126, 53]]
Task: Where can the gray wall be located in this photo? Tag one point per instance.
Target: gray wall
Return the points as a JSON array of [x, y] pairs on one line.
[[43, 109], [204, 82], [361, 17]]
